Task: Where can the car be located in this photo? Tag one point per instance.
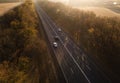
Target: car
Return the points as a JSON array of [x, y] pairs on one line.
[[56, 38], [59, 29], [55, 44]]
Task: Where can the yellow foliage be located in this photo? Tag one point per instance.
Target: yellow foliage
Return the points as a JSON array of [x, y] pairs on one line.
[[91, 30]]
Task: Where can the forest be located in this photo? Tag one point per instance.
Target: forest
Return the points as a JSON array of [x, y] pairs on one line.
[[24, 56], [98, 36]]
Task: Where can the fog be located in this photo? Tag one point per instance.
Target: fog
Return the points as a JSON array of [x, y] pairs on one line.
[[85, 2], [63, 1]]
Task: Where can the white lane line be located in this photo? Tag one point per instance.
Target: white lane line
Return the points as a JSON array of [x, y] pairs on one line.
[[61, 68], [70, 54], [72, 70], [78, 65], [88, 67], [83, 59], [53, 49], [93, 63]]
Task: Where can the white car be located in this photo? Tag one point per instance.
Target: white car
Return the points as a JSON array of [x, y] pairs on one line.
[[55, 44], [59, 29]]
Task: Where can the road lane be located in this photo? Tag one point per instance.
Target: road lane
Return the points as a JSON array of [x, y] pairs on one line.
[[67, 62], [76, 66], [96, 75]]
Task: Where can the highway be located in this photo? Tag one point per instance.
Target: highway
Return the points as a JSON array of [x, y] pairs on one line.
[[75, 64]]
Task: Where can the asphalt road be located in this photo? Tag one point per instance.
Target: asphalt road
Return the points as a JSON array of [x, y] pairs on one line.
[[75, 64]]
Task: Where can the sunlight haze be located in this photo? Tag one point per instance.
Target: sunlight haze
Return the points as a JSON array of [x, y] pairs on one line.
[[59, 41], [86, 2]]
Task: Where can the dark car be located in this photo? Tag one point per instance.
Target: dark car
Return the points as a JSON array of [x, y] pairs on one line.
[[56, 37]]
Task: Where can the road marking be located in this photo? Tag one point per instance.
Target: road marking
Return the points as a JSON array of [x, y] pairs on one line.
[[68, 52], [83, 58], [62, 69], [52, 47], [94, 64], [71, 55], [88, 67], [72, 70]]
